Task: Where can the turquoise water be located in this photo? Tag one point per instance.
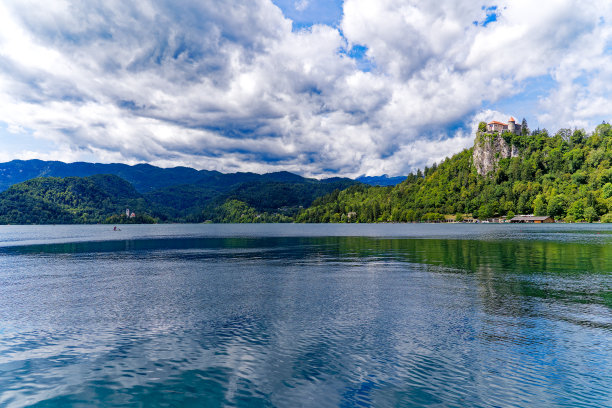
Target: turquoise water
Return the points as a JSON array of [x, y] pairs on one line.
[[306, 315]]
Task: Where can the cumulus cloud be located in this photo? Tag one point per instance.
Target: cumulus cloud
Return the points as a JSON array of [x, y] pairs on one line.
[[230, 85]]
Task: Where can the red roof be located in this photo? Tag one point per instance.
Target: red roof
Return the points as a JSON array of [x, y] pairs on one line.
[[512, 119], [494, 122]]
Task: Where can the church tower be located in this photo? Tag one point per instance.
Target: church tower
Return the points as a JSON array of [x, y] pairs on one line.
[[512, 125]]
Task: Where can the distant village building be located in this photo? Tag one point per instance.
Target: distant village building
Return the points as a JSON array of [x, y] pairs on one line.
[[127, 212], [500, 127], [132, 215], [532, 219]]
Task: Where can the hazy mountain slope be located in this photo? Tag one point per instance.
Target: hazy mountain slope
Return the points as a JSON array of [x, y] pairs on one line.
[[383, 180], [143, 177]]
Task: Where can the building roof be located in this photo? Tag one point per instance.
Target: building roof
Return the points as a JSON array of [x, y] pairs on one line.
[[530, 218], [512, 119], [494, 122]]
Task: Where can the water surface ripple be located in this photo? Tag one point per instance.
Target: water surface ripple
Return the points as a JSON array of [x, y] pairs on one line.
[[314, 316]]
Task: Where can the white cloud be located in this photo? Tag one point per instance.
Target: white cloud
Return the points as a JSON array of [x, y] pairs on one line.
[[301, 5], [229, 86]]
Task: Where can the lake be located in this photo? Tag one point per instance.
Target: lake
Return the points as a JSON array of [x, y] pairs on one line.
[[392, 315]]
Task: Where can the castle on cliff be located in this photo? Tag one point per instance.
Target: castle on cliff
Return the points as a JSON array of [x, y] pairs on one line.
[[499, 127]]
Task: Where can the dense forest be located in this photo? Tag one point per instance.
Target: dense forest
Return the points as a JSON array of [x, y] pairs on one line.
[[269, 200], [567, 175], [105, 198], [69, 200]]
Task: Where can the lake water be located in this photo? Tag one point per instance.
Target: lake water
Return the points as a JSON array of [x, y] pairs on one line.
[[306, 315]]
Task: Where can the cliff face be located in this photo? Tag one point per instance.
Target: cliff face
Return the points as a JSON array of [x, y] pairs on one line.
[[489, 149]]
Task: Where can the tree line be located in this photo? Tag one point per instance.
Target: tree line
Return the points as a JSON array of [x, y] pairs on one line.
[[567, 175]]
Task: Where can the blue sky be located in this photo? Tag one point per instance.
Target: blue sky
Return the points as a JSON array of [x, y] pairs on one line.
[[305, 13], [318, 88]]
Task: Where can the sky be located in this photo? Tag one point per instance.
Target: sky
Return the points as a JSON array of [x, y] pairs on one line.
[[316, 87]]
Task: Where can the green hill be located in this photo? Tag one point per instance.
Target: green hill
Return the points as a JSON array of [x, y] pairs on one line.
[[144, 177], [567, 175], [270, 201], [274, 197], [52, 200]]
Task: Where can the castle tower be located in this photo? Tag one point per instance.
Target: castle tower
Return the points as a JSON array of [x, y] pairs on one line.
[[512, 125]]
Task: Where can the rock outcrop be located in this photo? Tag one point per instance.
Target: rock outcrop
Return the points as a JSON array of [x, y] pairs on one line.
[[489, 148]]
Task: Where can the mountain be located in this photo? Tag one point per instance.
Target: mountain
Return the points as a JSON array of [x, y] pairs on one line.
[[70, 200], [144, 177], [567, 175], [262, 196], [383, 180], [274, 197], [276, 201]]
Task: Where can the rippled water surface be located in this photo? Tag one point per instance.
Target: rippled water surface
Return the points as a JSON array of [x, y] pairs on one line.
[[306, 315]]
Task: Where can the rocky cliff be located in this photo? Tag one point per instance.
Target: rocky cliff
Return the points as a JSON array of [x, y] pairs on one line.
[[489, 148]]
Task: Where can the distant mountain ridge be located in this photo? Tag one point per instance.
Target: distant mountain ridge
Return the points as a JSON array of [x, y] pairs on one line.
[[144, 177], [383, 180], [39, 192]]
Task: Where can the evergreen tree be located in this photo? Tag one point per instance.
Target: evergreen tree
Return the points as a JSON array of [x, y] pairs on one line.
[[524, 127]]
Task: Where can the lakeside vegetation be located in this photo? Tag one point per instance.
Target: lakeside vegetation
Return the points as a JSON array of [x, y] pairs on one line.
[[567, 175]]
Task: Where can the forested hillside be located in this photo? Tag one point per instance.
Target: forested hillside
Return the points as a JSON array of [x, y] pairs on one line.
[[567, 175], [70, 200], [104, 198], [257, 201]]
